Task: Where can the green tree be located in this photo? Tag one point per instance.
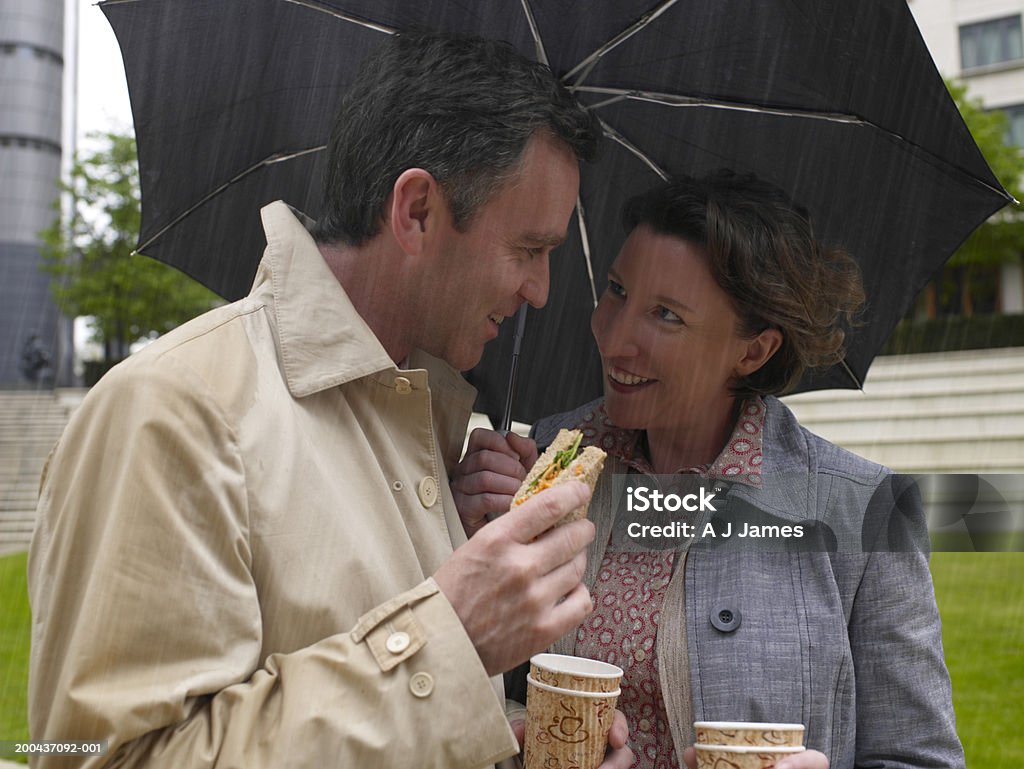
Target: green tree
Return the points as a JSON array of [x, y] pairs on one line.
[[973, 266], [89, 254]]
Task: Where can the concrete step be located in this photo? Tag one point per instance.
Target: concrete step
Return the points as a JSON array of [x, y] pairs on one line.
[[17, 534], [949, 384], [1004, 454], [939, 364], [944, 412], [861, 406], [28, 476], [30, 425], [27, 442], [12, 478], [40, 421], [53, 413], [24, 480], [20, 454], [19, 489], [18, 518], [936, 428], [20, 498], [10, 410]]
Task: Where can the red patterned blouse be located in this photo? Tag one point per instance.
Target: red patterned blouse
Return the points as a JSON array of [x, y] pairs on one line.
[[630, 588]]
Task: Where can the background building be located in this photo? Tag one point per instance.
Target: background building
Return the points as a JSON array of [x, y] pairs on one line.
[[981, 44], [954, 403], [31, 147]]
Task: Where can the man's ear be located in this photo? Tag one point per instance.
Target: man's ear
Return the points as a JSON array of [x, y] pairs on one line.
[[413, 208], [759, 351]]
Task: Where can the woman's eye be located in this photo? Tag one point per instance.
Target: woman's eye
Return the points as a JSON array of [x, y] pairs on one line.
[[616, 288], [667, 315]]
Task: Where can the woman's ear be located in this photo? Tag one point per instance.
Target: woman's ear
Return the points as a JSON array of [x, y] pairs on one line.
[[759, 351], [413, 205]]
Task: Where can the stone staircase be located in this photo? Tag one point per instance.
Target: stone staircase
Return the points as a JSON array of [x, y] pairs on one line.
[[30, 423], [960, 412]]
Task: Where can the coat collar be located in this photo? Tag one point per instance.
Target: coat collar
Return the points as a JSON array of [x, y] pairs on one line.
[[789, 467], [323, 341]]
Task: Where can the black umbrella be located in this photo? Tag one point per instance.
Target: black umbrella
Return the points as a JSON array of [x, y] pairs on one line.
[[837, 101]]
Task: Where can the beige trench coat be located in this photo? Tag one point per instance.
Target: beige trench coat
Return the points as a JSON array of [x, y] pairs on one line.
[[235, 540]]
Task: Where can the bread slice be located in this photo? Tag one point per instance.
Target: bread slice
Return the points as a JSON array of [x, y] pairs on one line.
[[548, 471]]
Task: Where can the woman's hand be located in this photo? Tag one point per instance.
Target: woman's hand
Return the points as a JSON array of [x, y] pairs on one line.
[[619, 755], [809, 759], [489, 475]]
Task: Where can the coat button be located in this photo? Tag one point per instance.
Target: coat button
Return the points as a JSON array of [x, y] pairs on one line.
[[397, 642], [402, 385], [427, 491], [421, 684], [725, 618]]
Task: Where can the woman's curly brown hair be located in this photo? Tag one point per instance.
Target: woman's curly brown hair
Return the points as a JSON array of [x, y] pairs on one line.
[[763, 253]]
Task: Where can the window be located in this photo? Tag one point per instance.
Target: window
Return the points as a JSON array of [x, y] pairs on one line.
[[1016, 116], [27, 51], [991, 42]]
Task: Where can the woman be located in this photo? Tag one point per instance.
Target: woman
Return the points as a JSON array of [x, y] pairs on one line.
[[721, 299]]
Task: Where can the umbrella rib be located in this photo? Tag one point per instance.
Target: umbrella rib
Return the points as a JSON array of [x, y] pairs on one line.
[[615, 136], [344, 16], [676, 100], [538, 44], [849, 372], [588, 63], [277, 158], [585, 242]]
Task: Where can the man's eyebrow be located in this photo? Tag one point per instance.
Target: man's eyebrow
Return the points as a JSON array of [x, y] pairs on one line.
[[543, 239]]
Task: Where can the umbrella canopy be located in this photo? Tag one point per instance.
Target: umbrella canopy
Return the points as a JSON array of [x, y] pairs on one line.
[[837, 102]]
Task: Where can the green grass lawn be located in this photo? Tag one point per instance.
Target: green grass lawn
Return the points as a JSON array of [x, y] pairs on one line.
[[981, 599], [980, 596], [15, 631]]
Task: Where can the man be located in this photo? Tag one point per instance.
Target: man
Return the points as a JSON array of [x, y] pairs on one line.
[[247, 551]]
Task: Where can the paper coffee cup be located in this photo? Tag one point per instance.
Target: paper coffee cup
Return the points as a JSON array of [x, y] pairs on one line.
[[748, 733], [566, 728], [742, 756], [576, 673]]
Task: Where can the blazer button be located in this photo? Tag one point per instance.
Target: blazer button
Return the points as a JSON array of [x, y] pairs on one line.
[[402, 385], [427, 491], [397, 642], [725, 618], [421, 684]]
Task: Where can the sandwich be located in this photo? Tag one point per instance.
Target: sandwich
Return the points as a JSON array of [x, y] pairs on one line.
[[563, 461]]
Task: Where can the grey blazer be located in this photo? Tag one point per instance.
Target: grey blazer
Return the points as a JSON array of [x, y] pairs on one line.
[[841, 633]]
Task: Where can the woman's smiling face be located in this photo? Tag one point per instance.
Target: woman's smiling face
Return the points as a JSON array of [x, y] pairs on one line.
[[667, 334]]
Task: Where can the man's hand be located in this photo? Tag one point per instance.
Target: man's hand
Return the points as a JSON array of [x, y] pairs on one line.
[[809, 759], [619, 755], [490, 474], [516, 585]]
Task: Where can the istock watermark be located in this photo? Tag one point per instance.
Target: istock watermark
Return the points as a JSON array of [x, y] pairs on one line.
[[640, 499], [804, 512]]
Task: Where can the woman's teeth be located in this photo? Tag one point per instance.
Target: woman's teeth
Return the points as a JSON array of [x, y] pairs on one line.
[[624, 377]]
